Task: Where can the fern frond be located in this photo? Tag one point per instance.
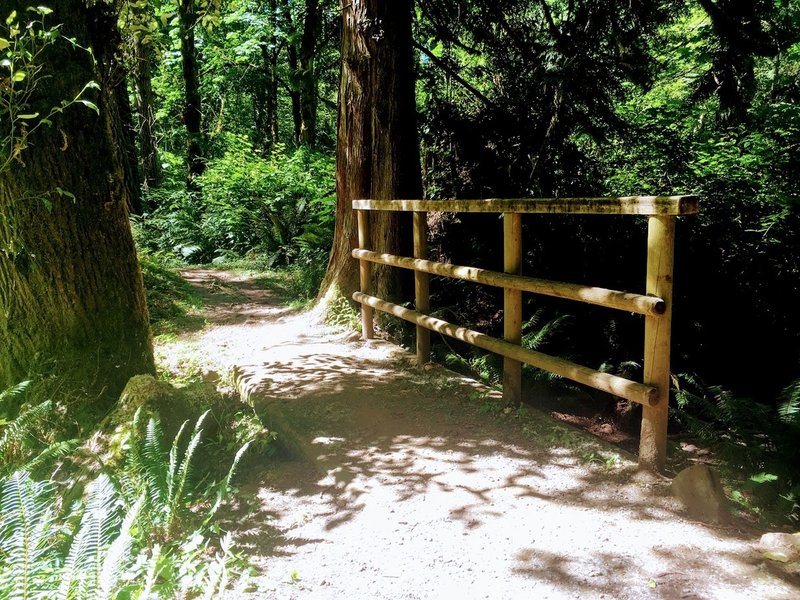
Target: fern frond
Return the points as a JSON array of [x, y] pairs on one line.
[[224, 487], [172, 468], [51, 453], [152, 573], [538, 336], [789, 408], [20, 428], [82, 568], [27, 535], [118, 556], [184, 469], [14, 390], [153, 468]]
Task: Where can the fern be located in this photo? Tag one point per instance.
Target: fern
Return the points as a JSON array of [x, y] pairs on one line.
[[51, 454], [27, 537], [223, 489], [14, 391], [789, 408], [152, 573], [100, 520], [118, 555], [162, 477], [18, 430], [152, 453], [535, 336], [176, 497]]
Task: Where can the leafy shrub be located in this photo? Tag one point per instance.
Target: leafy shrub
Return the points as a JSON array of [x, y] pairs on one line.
[[281, 207], [756, 443]]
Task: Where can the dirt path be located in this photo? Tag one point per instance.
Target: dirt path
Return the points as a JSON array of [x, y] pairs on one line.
[[401, 483]]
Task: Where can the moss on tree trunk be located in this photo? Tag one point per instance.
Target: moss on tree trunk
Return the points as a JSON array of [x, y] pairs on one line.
[[377, 152], [71, 296]]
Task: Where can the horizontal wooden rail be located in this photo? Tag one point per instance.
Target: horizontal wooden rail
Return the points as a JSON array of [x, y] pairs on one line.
[[619, 386], [636, 303], [628, 205]]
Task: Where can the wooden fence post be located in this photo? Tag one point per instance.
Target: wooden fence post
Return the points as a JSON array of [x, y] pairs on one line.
[[422, 300], [364, 272], [660, 259], [512, 306]]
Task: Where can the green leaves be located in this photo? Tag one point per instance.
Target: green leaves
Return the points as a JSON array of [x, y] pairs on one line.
[[91, 105]]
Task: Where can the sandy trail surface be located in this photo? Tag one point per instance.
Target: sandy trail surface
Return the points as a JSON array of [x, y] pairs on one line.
[[403, 483]]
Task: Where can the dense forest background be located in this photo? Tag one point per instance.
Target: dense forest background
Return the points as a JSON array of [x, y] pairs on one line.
[[212, 125], [515, 99]]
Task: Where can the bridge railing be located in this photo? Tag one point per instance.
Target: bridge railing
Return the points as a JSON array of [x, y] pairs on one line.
[[655, 304]]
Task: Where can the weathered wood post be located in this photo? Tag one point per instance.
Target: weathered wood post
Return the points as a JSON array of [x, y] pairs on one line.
[[657, 337], [422, 300], [364, 272], [512, 306]]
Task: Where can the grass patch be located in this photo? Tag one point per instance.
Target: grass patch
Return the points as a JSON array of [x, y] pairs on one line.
[[173, 304]]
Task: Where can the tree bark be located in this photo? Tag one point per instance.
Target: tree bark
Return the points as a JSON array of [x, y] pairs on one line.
[[377, 153], [307, 77], [294, 94], [294, 65], [192, 108], [143, 82], [737, 25], [71, 296], [265, 97]]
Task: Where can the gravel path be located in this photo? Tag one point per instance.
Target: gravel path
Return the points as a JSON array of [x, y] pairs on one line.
[[401, 483]]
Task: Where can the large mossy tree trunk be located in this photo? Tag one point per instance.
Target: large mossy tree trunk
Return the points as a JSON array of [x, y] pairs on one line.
[[71, 296], [377, 153]]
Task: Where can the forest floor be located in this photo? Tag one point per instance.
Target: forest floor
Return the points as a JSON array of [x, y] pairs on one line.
[[399, 483]]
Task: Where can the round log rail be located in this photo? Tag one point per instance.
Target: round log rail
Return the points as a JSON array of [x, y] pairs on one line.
[[635, 303], [627, 205], [618, 386]]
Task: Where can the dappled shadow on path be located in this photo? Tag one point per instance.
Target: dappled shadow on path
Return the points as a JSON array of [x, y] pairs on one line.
[[235, 299], [416, 464]]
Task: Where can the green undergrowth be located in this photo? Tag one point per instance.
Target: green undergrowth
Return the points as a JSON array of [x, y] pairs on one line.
[[755, 445], [124, 505], [173, 305]]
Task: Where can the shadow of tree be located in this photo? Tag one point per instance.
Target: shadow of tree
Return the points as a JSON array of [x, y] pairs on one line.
[[378, 441]]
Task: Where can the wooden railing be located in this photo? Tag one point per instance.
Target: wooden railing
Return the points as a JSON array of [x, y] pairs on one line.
[[655, 304]]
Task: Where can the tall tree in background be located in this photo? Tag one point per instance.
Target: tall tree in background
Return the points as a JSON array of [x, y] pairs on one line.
[[307, 77], [739, 26], [265, 97], [139, 21], [70, 288], [377, 152], [192, 109]]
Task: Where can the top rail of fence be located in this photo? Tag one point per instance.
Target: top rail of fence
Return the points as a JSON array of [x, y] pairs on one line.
[[626, 205]]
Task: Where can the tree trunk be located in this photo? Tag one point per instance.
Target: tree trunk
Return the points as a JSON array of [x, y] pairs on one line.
[[292, 84], [266, 97], [71, 296], [294, 93], [307, 77], [143, 81], [192, 109], [377, 153]]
